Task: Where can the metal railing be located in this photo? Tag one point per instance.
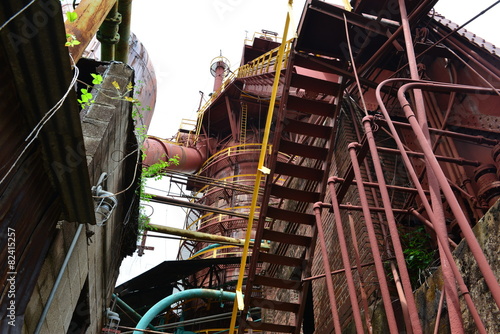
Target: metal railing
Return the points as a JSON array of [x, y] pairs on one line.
[[261, 65]]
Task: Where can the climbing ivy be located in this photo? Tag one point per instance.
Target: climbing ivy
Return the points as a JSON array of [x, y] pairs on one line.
[[418, 252]]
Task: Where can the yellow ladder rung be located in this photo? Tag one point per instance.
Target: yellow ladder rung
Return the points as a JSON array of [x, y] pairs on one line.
[[243, 123]]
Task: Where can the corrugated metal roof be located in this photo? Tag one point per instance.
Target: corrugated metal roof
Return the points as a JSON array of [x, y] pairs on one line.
[[50, 179], [34, 47]]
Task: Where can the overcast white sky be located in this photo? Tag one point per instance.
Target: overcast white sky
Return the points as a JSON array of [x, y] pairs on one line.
[[182, 37]]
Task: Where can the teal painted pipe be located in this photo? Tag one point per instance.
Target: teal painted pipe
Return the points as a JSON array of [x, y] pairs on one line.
[[186, 294]]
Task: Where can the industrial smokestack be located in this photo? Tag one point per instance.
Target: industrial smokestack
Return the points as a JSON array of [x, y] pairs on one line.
[[219, 68]]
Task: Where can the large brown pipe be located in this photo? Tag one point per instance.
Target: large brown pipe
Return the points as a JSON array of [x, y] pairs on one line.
[[157, 149]]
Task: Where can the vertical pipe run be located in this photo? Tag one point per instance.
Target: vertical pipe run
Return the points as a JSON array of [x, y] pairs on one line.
[[122, 48], [454, 312], [345, 258], [58, 279], [474, 246], [326, 266], [415, 179], [364, 297], [379, 267], [108, 33], [393, 229]]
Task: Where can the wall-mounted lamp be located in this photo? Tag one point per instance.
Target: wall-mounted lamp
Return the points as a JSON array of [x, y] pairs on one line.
[[105, 201]]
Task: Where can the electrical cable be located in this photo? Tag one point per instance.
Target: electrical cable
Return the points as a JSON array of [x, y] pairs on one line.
[[17, 14], [354, 66], [36, 130]]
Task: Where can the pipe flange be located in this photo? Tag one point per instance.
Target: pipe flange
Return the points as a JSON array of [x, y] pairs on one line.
[[495, 153], [490, 192], [483, 170], [108, 40]]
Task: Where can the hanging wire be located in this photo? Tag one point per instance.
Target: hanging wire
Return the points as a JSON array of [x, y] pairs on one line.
[[354, 66], [36, 130], [17, 14]]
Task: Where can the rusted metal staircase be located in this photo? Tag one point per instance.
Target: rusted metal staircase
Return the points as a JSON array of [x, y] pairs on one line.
[[304, 130]]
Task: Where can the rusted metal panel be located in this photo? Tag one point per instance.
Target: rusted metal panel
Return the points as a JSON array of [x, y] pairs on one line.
[[91, 14], [29, 204], [42, 83], [145, 78]]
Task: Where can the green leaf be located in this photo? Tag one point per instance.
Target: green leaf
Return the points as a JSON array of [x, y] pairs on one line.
[[97, 78], [72, 16]]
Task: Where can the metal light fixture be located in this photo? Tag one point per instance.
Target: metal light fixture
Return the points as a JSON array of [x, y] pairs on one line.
[[105, 201]]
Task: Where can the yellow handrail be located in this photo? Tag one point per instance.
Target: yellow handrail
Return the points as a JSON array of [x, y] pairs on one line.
[[249, 70], [218, 215], [246, 177], [239, 303], [228, 150]]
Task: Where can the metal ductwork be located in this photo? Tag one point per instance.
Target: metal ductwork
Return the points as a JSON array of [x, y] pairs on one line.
[[190, 159]]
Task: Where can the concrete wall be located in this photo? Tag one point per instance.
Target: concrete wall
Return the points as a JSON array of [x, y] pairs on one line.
[[107, 127], [427, 296]]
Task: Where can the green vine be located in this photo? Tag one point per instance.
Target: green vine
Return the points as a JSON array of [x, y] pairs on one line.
[[418, 252], [157, 170]]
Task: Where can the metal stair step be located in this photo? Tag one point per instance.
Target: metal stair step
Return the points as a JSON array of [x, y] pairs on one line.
[[332, 66], [310, 106], [302, 172], [274, 305], [277, 282], [291, 216], [307, 129], [303, 150], [275, 328], [286, 238], [314, 84], [294, 194], [281, 260]]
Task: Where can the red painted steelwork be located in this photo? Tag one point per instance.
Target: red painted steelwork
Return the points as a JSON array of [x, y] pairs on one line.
[[326, 265], [190, 159], [398, 250], [485, 268], [345, 260], [413, 175], [391, 319]]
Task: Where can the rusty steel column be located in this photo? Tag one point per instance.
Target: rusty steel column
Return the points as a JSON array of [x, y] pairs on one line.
[[108, 34], [326, 265], [379, 267]]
